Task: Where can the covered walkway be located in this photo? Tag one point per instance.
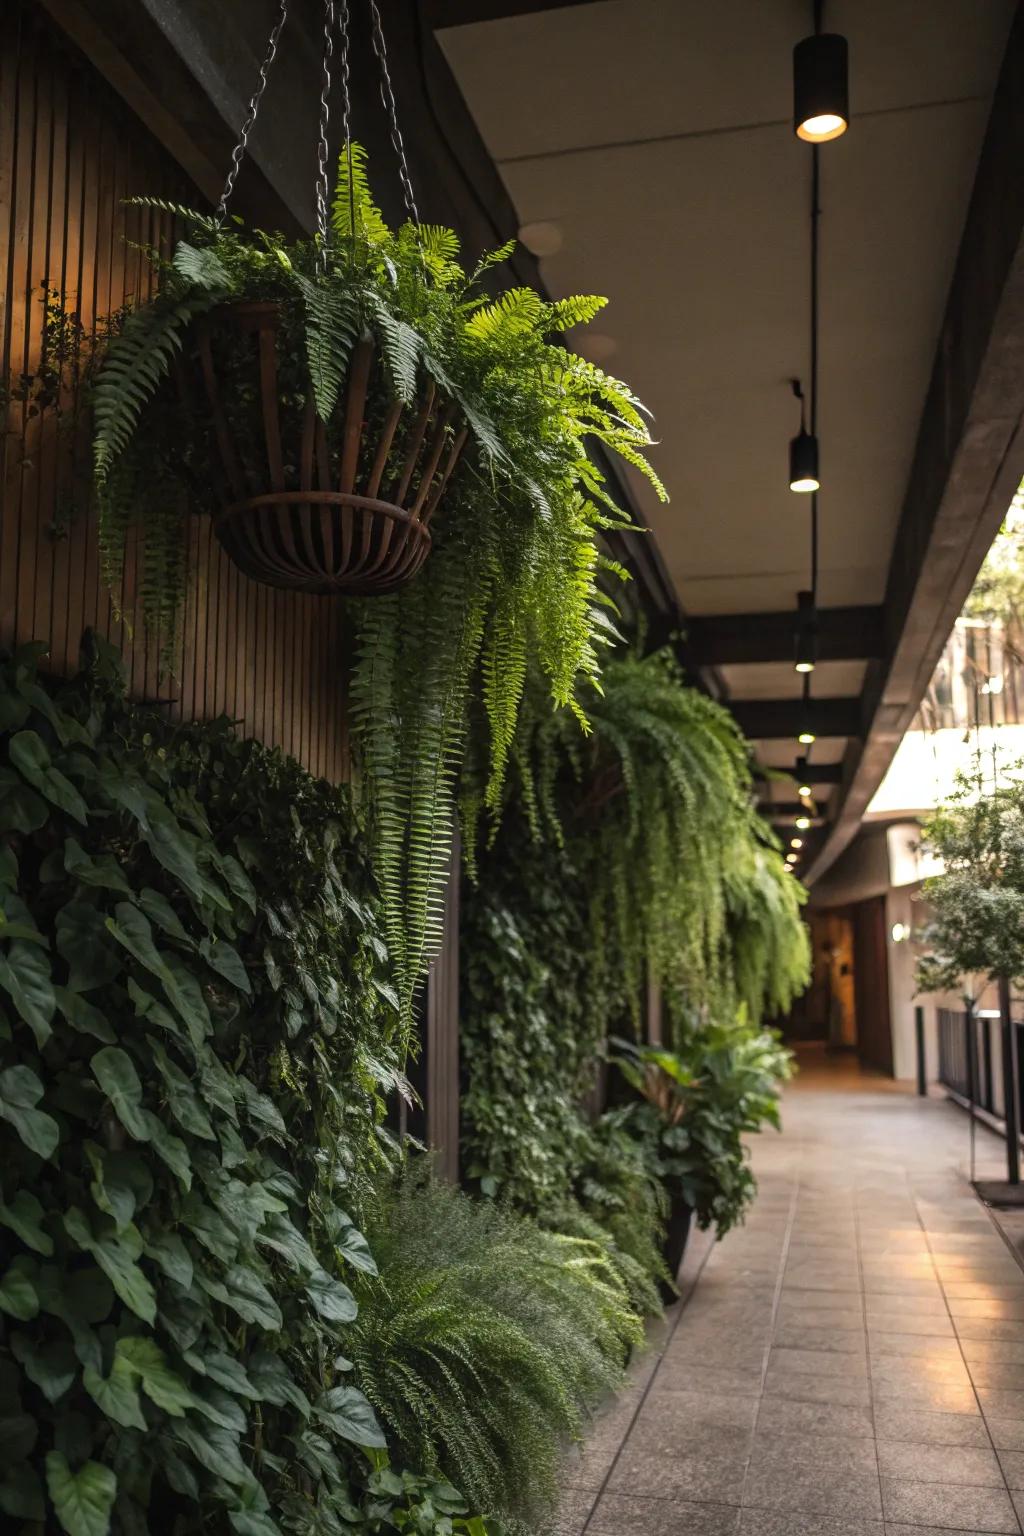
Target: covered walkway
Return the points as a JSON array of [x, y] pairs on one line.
[[849, 1363]]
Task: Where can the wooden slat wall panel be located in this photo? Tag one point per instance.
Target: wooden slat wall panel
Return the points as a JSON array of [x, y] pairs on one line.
[[70, 153]]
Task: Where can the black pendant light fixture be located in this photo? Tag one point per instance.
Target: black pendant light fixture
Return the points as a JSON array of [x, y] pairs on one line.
[[821, 93], [806, 633], [803, 452]]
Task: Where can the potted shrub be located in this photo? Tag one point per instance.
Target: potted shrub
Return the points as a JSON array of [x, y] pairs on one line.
[[697, 1104]]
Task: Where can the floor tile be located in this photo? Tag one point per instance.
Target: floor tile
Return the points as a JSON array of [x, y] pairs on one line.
[[835, 1341], [895, 1421], [818, 1362], [974, 1466], [782, 1415], [948, 1506], [701, 1476], [801, 1387], [662, 1517], [773, 1522], [813, 1487]]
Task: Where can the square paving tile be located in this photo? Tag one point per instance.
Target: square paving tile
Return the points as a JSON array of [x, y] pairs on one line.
[[1012, 1463], [1007, 1434], [801, 1387], [702, 1476], [925, 1345], [773, 1522], [836, 1341], [937, 1396], [973, 1466], [949, 1506], [818, 1362], [573, 1509], [895, 1421], [1004, 1404], [817, 1489], [663, 1517], [780, 1415], [681, 1375]]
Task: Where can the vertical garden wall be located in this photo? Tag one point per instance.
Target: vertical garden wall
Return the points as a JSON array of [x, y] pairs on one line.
[[279, 509]]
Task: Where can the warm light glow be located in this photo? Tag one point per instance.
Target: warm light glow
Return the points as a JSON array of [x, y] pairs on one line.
[[804, 791], [900, 932], [806, 738], [796, 842], [818, 130], [808, 483], [803, 822], [805, 666]]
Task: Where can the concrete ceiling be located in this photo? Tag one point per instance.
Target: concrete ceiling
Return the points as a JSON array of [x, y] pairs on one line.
[[655, 136]]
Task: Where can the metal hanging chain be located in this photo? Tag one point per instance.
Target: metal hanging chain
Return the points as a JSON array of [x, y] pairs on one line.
[[254, 105], [388, 97], [346, 115], [322, 185]]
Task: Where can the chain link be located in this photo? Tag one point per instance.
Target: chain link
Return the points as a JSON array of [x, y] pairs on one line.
[[254, 105], [388, 97], [322, 183]]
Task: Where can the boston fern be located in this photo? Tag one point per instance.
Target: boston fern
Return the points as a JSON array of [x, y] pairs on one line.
[[655, 812], [512, 578], [196, 1041]]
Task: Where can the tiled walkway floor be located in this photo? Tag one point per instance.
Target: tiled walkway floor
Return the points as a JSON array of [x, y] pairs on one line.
[[851, 1361]]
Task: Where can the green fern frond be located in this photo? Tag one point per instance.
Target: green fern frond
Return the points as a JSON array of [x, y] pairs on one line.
[[332, 329], [353, 198]]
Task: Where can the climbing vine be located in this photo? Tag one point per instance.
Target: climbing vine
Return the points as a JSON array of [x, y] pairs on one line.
[[196, 1040]]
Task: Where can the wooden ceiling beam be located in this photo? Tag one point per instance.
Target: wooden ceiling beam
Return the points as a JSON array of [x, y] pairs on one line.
[[772, 719], [843, 634]]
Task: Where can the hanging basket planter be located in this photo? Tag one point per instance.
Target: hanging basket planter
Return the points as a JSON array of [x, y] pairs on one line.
[[295, 512]]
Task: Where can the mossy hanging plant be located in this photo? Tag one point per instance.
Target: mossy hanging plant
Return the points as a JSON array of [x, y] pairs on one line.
[[290, 391]]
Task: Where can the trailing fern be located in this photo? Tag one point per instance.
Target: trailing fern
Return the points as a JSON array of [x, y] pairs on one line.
[[513, 579]]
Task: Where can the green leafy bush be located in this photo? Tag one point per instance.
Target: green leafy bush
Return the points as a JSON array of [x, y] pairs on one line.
[[699, 1102], [484, 1340], [196, 1039]]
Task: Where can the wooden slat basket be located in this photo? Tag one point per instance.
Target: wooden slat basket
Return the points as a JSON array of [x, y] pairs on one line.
[[299, 515]]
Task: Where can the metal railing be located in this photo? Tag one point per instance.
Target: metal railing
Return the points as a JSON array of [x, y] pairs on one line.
[[969, 1058]]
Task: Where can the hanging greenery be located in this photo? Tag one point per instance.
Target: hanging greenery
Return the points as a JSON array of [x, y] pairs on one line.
[[685, 881], [630, 852], [512, 578]]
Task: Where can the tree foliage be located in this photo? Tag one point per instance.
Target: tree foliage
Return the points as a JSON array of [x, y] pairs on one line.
[[977, 903]]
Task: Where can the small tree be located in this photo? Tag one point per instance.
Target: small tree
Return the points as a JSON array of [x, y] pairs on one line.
[[978, 902]]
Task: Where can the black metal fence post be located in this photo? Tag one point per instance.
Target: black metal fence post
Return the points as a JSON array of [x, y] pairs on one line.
[[922, 1068], [1011, 1110]]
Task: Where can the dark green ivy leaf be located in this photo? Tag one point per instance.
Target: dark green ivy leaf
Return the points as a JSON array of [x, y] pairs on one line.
[[20, 1092], [29, 754], [82, 1500], [25, 977], [24, 1215], [330, 1298]]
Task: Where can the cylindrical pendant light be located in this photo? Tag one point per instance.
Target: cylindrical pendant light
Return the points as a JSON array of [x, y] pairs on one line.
[[803, 787], [821, 97], [803, 451], [806, 633], [803, 463]]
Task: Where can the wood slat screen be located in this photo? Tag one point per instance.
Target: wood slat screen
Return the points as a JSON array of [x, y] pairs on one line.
[[70, 153]]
